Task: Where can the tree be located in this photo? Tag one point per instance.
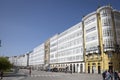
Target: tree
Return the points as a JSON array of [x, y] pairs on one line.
[[4, 64]]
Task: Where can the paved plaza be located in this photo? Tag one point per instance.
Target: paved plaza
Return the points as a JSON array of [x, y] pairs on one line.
[[42, 75]]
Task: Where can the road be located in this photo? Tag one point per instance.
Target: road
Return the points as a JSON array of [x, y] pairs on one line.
[[42, 75]]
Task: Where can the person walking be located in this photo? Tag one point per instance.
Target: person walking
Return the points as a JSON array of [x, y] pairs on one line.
[[30, 71], [109, 75], [66, 69], [1, 75], [116, 77], [119, 75], [104, 74], [71, 68]]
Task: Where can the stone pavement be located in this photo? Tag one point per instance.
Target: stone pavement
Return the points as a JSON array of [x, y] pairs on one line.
[[42, 75]]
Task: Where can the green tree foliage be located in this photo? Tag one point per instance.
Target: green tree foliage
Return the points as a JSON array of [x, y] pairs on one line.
[[4, 64]]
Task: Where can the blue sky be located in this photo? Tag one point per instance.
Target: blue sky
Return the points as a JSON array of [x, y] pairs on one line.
[[25, 24]]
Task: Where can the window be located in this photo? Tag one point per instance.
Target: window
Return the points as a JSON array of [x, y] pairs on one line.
[[106, 12], [91, 38], [109, 55], [117, 16], [90, 21], [107, 32], [91, 29], [108, 43], [106, 22]]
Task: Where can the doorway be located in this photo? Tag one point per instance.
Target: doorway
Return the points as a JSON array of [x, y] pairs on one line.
[[74, 68], [88, 69], [81, 68], [92, 69], [99, 69], [111, 67]]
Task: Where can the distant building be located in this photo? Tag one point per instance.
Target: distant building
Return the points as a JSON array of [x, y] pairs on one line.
[[20, 61], [13, 60]]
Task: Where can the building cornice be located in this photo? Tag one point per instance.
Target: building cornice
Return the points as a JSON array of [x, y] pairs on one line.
[[104, 7]]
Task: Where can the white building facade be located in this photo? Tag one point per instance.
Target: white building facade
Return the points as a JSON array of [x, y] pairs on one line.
[[13, 60], [36, 57], [91, 33], [68, 49], [20, 61], [117, 26], [106, 16], [53, 50]]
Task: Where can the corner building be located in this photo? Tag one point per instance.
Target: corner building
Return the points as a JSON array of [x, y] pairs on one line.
[[102, 40]]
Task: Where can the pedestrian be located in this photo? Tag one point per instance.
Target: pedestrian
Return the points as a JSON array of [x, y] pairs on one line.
[[66, 69], [109, 75], [1, 74], [119, 75], [71, 70], [116, 77], [30, 71], [104, 74]]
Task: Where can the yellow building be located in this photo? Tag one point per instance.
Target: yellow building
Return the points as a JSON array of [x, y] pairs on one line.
[[102, 40]]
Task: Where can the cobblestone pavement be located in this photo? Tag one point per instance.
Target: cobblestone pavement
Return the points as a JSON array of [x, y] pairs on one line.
[[42, 75]]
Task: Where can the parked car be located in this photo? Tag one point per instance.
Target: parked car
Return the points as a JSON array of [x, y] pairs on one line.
[[54, 69]]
